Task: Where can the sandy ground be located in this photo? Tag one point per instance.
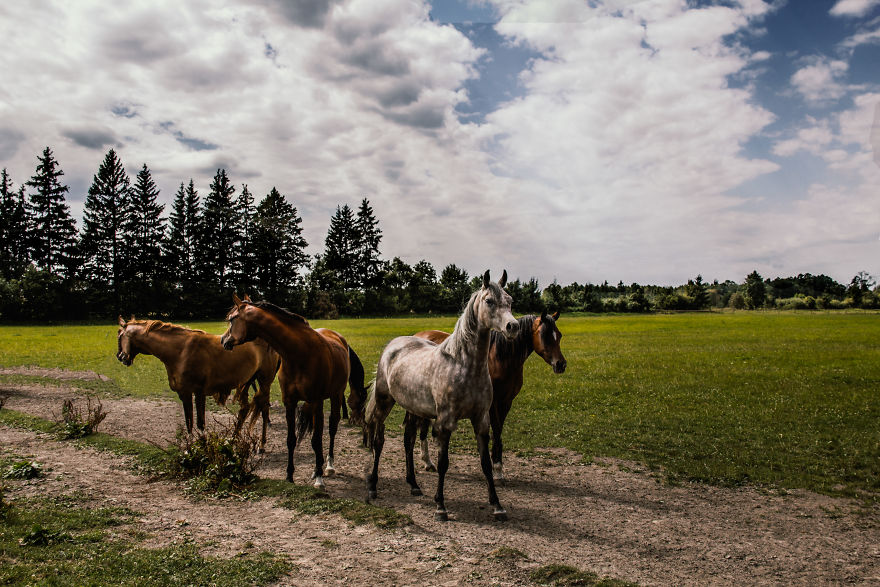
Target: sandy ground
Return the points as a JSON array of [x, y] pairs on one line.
[[608, 517]]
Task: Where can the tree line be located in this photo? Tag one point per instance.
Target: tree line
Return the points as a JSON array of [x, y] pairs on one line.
[[130, 258]]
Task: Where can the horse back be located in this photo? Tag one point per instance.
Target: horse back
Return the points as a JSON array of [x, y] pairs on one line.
[[435, 336]]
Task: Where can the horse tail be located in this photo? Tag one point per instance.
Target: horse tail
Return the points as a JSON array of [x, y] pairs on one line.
[[304, 420], [357, 397], [370, 422]]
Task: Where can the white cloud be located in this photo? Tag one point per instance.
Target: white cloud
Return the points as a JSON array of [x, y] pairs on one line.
[[853, 8], [821, 79]]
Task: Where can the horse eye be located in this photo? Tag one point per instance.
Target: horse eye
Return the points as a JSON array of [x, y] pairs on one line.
[[490, 302]]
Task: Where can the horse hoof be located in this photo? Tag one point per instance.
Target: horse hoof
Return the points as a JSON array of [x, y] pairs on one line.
[[262, 451], [441, 516], [329, 472], [371, 495], [415, 491], [500, 514], [319, 482], [431, 468]]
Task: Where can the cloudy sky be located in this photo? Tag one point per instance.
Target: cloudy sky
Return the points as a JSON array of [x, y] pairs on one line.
[[576, 140]]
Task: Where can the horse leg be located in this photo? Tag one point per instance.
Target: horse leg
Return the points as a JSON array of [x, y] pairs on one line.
[[443, 436], [377, 442], [317, 443], [481, 430], [290, 413], [329, 471], [200, 410], [496, 420], [243, 409], [411, 422], [423, 435], [187, 400]]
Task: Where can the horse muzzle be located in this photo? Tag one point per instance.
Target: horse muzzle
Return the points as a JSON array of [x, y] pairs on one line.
[[227, 342], [511, 329], [124, 358], [559, 366]]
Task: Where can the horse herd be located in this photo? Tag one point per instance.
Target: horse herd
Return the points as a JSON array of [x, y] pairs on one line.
[[473, 373]]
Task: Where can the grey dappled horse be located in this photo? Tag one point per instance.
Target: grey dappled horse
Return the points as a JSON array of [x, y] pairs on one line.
[[446, 382]]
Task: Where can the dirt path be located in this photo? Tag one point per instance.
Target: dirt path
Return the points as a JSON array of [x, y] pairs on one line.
[[605, 518]]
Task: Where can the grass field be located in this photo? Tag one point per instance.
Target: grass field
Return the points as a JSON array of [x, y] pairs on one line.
[[779, 399]]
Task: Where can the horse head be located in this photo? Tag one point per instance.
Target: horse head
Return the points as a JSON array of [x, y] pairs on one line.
[[238, 330], [125, 349], [546, 340], [492, 307]]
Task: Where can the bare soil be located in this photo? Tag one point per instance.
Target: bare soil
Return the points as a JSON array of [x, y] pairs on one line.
[[610, 517]]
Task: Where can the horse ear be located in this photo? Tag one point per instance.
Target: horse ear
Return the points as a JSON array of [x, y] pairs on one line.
[[503, 281], [235, 300], [247, 298], [556, 316], [122, 321], [486, 279], [543, 316]]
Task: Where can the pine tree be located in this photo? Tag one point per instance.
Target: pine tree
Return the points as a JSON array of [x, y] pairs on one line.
[[103, 243], [454, 288], [13, 229], [144, 231], [219, 232], [341, 248], [369, 234], [244, 261], [52, 235], [279, 247], [183, 238]]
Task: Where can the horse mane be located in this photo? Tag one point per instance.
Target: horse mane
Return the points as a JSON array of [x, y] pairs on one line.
[[520, 347], [465, 333], [283, 314], [159, 326]]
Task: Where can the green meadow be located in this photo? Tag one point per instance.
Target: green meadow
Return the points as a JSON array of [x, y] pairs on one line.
[[777, 399]]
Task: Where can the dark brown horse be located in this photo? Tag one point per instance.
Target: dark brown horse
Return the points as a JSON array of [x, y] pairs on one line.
[[198, 366], [507, 357], [316, 364]]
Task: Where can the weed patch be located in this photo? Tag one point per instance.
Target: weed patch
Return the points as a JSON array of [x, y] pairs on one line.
[[564, 575], [77, 421], [218, 461], [23, 470]]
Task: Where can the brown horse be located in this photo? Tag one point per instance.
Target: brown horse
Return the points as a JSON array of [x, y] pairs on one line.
[[506, 361], [198, 366], [316, 365]]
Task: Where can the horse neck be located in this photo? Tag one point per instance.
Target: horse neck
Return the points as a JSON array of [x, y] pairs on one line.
[[288, 341], [165, 345], [515, 351], [469, 338]]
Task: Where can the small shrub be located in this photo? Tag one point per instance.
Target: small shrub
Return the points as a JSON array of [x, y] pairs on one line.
[[39, 536], [23, 470], [218, 461], [76, 422]]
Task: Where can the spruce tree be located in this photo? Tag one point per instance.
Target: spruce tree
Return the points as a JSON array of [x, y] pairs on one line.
[[342, 248], [144, 232], [13, 229], [104, 246], [279, 247], [244, 261], [52, 234], [219, 232], [180, 246], [369, 265]]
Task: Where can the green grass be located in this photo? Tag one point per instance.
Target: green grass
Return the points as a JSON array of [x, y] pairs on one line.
[[783, 399], [64, 542]]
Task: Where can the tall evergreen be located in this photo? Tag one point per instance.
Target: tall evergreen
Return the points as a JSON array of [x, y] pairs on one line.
[[219, 232], [341, 248], [183, 239], [13, 229], [244, 261], [104, 243], [52, 235], [279, 247], [369, 265], [144, 231]]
